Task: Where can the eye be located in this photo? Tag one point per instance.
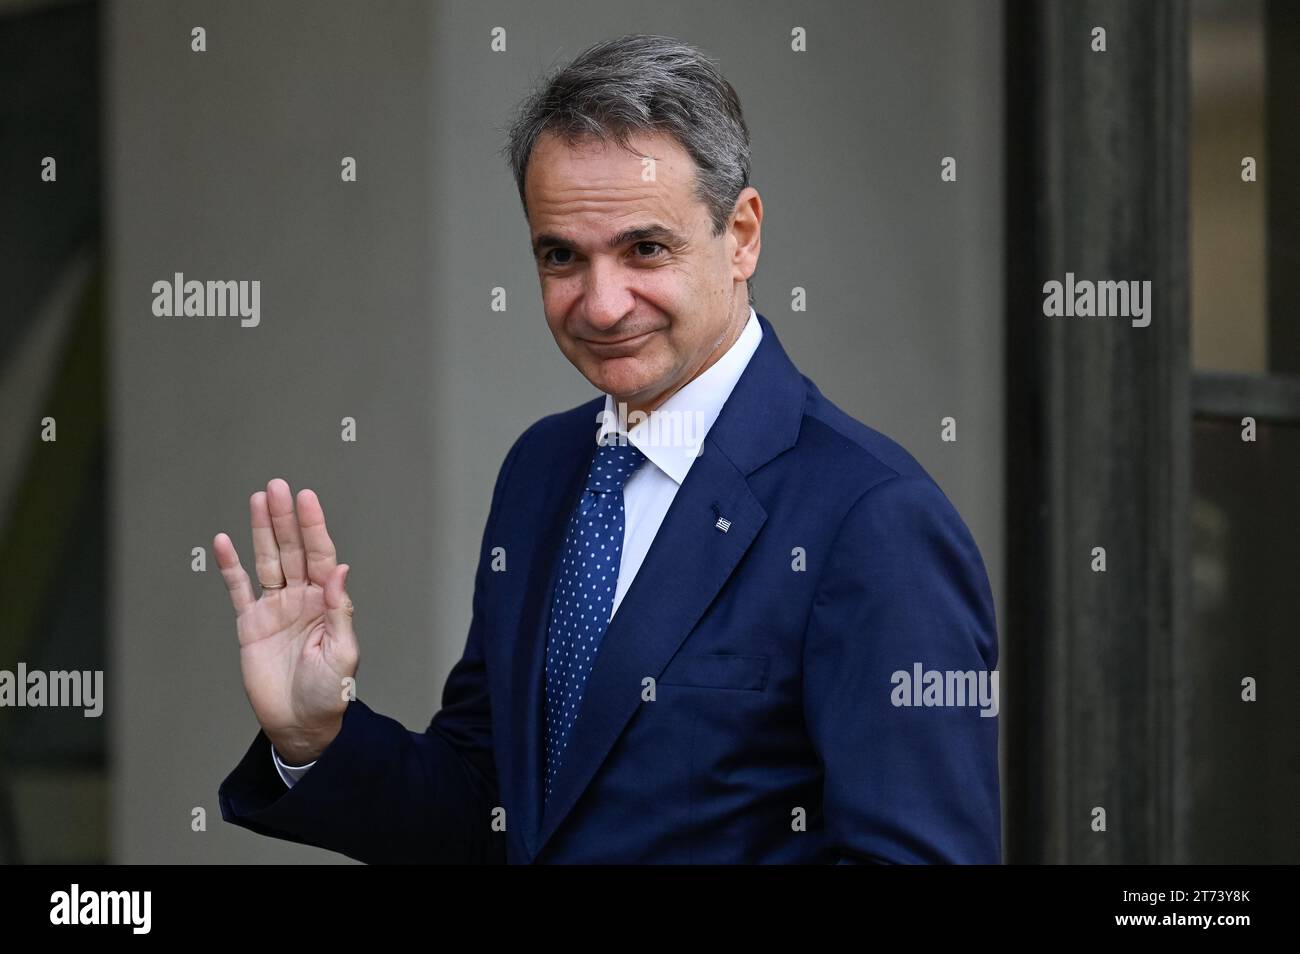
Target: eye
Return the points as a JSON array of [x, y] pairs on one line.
[[546, 259], [655, 245]]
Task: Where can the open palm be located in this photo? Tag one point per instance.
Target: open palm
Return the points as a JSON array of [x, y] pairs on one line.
[[297, 648]]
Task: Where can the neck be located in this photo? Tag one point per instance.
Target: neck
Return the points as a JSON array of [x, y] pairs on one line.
[[728, 338]]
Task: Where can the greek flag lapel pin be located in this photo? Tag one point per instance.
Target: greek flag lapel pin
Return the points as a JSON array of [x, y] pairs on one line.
[[723, 523]]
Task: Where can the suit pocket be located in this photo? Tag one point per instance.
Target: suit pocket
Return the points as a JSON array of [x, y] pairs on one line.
[[717, 671]]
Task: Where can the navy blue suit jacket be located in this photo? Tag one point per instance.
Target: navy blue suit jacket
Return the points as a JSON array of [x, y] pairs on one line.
[[771, 733]]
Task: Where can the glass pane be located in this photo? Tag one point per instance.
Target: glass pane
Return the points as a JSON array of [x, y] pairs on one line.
[[1228, 224], [1244, 758]]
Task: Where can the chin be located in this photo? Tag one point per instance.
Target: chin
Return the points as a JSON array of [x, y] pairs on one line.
[[623, 383], [621, 390]]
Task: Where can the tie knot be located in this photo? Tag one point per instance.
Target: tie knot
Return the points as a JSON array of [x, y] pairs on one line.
[[612, 466]]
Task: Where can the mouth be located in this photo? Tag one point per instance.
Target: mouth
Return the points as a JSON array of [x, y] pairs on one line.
[[621, 345]]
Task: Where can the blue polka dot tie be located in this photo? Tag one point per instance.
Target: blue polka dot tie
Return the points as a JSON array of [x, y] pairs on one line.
[[584, 592]]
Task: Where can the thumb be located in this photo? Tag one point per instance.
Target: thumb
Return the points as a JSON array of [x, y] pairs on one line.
[[338, 612]]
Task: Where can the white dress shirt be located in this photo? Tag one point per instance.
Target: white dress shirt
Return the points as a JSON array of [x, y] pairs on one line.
[[669, 438]]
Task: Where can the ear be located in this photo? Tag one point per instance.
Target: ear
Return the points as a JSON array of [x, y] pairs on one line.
[[746, 228]]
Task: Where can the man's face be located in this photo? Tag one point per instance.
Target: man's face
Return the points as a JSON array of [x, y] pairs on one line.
[[638, 292]]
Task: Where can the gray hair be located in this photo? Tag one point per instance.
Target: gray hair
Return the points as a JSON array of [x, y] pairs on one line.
[[643, 83]]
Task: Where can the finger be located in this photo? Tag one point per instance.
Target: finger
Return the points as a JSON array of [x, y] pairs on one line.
[[241, 590], [338, 617], [321, 557], [266, 554], [288, 535]]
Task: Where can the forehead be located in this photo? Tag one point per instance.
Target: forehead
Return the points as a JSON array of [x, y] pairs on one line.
[[584, 184]]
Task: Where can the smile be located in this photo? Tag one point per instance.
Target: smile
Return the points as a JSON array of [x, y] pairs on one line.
[[621, 345]]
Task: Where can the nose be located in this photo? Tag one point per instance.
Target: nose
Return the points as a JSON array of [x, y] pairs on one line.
[[607, 295]]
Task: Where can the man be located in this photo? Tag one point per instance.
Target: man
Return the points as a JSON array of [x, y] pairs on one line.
[[687, 635]]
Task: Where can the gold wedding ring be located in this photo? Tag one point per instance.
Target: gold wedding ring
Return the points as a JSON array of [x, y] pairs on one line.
[[274, 586]]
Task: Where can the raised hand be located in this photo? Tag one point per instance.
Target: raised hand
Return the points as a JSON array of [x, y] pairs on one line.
[[297, 649]]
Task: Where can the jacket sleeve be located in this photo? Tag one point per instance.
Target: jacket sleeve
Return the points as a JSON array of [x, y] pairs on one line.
[[381, 793], [903, 584]]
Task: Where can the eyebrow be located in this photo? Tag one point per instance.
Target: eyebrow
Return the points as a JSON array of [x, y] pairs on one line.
[[643, 233]]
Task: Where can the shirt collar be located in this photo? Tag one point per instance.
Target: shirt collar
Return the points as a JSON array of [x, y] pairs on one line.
[[673, 434]]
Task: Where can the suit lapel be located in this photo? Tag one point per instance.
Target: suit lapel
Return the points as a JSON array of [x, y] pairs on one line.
[[683, 570], [555, 499]]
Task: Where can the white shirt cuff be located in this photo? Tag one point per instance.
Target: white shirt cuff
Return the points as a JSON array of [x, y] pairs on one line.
[[289, 773]]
